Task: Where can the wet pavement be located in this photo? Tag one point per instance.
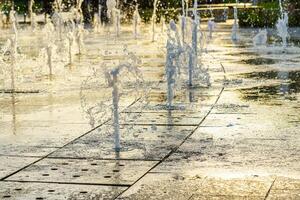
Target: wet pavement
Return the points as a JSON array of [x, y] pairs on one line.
[[238, 139]]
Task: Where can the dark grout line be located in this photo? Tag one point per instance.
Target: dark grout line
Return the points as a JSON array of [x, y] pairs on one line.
[[232, 113], [68, 183], [185, 139], [63, 145], [269, 189], [101, 159], [176, 148]]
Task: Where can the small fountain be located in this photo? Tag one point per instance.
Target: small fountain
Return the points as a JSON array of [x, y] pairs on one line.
[[114, 15], [211, 25], [78, 12], [12, 17], [32, 15], [111, 5], [79, 38], [174, 50], [100, 14], [11, 48], [193, 52], [153, 20], [183, 21], [261, 38], [124, 79], [235, 27], [58, 22], [187, 8], [136, 21], [282, 25], [71, 39], [49, 49], [117, 14], [97, 20]]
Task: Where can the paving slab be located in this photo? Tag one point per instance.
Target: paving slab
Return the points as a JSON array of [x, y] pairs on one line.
[[163, 186], [224, 197], [137, 142], [163, 119], [177, 185], [285, 183], [52, 191], [284, 194], [235, 187], [82, 171], [9, 164]]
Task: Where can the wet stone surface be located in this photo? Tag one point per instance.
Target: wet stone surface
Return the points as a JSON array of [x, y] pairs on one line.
[[41, 191], [80, 171], [237, 139], [11, 164], [137, 142]]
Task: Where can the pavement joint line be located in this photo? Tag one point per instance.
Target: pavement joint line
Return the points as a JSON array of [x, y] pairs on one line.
[[20, 156], [212, 126], [101, 159], [233, 113], [127, 124], [185, 139], [267, 194], [68, 183], [17, 171]]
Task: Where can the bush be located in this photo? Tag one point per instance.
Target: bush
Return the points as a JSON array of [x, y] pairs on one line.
[[262, 17]]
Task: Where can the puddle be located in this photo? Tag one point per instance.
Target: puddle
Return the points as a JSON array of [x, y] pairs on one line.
[[293, 76], [245, 53], [259, 61], [286, 90]]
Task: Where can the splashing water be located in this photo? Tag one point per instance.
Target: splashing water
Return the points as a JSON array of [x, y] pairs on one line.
[[136, 22], [58, 22], [154, 19], [282, 28], [71, 39], [172, 68], [193, 53], [235, 27], [183, 21], [78, 12], [261, 38], [211, 25], [111, 5], [117, 21], [11, 48], [31, 14], [79, 38]]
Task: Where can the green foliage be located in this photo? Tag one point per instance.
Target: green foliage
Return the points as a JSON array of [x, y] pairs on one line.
[[261, 17]]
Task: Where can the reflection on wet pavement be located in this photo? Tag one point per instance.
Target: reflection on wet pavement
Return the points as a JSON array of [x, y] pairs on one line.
[[237, 139]]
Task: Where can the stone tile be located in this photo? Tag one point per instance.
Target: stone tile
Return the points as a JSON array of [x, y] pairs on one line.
[[186, 119], [163, 186], [52, 191], [284, 195], [222, 197], [9, 164], [137, 142], [115, 172], [25, 150], [235, 187], [284, 183]]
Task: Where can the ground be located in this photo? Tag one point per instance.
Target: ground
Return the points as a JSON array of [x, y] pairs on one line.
[[237, 139]]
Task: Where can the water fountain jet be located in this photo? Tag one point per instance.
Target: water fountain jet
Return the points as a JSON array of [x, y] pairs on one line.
[[136, 21], [153, 19]]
